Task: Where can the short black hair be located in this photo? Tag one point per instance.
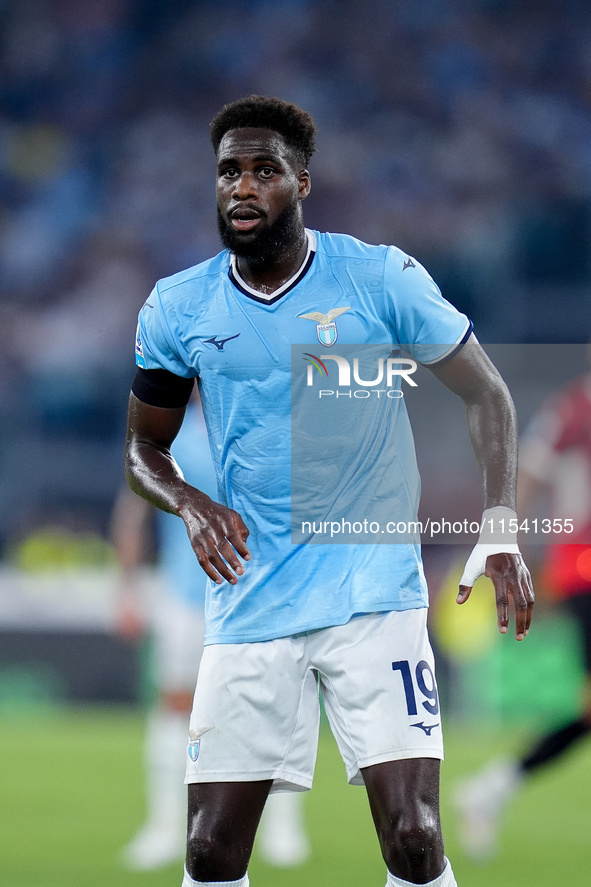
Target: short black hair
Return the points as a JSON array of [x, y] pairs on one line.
[[295, 125]]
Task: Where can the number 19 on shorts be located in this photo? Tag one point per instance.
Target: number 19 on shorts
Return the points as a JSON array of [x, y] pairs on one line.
[[425, 682]]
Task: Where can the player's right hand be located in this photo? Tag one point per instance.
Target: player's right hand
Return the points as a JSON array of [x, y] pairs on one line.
[[218, 535], [511, 580]]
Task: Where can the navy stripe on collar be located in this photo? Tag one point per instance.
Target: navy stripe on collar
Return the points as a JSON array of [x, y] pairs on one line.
[[248, 292]]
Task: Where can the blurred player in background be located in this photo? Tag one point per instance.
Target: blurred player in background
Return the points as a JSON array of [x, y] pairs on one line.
[[555, 467], [177, 626], [283, 619]]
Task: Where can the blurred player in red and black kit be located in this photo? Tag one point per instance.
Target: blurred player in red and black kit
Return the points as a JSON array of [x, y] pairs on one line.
[[555, 460]]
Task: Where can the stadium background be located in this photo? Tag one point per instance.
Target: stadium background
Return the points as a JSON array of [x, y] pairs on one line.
[[459, 131]]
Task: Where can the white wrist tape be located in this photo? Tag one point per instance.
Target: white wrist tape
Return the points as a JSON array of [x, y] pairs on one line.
[[497, 536]]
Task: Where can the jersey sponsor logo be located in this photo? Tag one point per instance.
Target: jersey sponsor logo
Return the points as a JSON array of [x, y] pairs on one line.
[[326, 328], [427, 728], [219, 343], [408, 264], [195, 743]]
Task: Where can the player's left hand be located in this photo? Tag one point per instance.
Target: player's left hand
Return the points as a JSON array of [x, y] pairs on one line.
[[510, 578]]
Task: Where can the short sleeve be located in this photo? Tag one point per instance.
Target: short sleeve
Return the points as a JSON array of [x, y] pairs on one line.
[[156, 346], [423, 322]]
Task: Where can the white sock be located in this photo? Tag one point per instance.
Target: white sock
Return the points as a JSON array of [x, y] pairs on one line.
[[189, 882], [166, 743], [445, 879]]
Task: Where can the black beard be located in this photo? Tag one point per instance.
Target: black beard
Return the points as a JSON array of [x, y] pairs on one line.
[[269, 244]]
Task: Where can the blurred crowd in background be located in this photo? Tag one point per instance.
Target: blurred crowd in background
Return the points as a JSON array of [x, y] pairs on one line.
[[457, 129]]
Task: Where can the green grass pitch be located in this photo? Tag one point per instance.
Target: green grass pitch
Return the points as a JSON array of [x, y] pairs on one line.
[[71, 789]]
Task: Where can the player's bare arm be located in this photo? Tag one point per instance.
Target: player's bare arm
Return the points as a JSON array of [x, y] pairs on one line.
[[493, 432], [217, 534]]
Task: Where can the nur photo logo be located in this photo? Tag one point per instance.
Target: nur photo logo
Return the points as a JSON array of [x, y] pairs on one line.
[[386, 372]]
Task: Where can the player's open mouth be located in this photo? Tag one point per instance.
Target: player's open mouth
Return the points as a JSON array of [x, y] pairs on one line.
[[245, 219], [245, 224]]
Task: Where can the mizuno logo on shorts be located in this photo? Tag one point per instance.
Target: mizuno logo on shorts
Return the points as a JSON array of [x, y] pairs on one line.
[[426, 727]]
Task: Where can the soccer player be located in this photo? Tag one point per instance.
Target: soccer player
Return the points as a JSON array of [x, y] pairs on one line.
[[283, 620], [176, 621], [555, 459]]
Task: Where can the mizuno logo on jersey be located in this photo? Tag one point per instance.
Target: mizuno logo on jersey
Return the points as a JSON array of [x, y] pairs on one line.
[[408, 264], [326, 328], [219, 343]]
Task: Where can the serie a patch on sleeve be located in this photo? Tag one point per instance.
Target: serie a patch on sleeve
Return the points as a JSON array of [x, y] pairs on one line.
[[139, 351]]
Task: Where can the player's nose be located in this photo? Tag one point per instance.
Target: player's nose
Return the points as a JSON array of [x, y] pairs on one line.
[[245, 186]]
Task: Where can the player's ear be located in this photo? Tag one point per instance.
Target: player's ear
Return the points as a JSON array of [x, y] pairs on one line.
[[304, 184]]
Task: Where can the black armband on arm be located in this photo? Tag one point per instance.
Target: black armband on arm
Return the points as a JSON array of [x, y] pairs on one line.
[[160, 388]]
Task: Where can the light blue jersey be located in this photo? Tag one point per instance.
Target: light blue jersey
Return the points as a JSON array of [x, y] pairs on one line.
[[206, 322], [184, 576]]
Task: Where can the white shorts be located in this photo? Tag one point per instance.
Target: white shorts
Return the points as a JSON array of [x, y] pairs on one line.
[[256, 710]]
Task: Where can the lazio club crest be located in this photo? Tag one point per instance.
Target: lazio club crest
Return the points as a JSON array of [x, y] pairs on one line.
[[195, 742], [193, 749], [326, 328]]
